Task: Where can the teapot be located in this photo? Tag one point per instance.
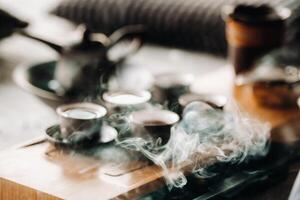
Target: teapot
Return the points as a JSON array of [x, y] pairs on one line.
[[84, 68]]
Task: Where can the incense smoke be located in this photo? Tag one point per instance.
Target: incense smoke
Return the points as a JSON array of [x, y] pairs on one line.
[[203, 137]]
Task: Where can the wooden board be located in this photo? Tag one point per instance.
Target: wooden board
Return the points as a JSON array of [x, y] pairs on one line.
[[40, 171], [67, 175]]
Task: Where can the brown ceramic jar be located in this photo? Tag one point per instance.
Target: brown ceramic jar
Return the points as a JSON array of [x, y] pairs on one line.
[[253, 31]]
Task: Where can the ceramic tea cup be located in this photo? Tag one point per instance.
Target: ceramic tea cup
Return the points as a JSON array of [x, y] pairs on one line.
[[153, 124], [168, 87], [125, 101], [80, 120]]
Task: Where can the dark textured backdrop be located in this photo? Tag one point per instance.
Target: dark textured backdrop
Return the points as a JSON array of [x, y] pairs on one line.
[[195, 24]]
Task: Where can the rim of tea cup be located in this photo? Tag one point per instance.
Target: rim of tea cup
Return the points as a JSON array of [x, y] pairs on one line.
[[166, 80], [168, 117], [216, 100], [99, 110], [144, 96]]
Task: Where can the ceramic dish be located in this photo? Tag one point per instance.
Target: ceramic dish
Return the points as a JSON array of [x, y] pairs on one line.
[[107, 135], [38, 79]]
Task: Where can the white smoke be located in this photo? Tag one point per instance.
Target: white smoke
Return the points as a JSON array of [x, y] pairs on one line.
[[203, 137]]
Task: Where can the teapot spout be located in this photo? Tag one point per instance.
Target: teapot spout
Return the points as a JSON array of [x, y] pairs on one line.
[[55, 47]]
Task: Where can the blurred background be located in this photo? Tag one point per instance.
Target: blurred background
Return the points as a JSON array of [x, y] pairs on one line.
[[54, 52], [23, 116]]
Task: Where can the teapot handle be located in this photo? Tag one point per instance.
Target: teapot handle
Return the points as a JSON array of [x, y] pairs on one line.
[[126, 32]]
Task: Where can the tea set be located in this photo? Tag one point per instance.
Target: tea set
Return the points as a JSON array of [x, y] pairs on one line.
[[77, 86]]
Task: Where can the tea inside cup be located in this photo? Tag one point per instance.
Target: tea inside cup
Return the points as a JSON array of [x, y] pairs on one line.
[[127, 97], [121, 101], [80, 113]]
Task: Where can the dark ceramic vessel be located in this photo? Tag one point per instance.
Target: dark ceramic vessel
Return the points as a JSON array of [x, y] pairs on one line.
[[153, 124]]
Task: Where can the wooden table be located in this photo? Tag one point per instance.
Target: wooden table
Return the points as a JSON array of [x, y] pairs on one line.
[[40, 171]]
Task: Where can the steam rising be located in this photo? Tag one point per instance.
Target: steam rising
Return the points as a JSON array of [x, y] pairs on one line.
[[203, 137], [131, 77]]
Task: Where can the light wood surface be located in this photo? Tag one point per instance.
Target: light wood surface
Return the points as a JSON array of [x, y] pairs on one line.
[[12, 190], [44, 168]]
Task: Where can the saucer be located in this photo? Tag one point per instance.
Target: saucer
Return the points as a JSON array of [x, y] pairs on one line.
[[107, 135]]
